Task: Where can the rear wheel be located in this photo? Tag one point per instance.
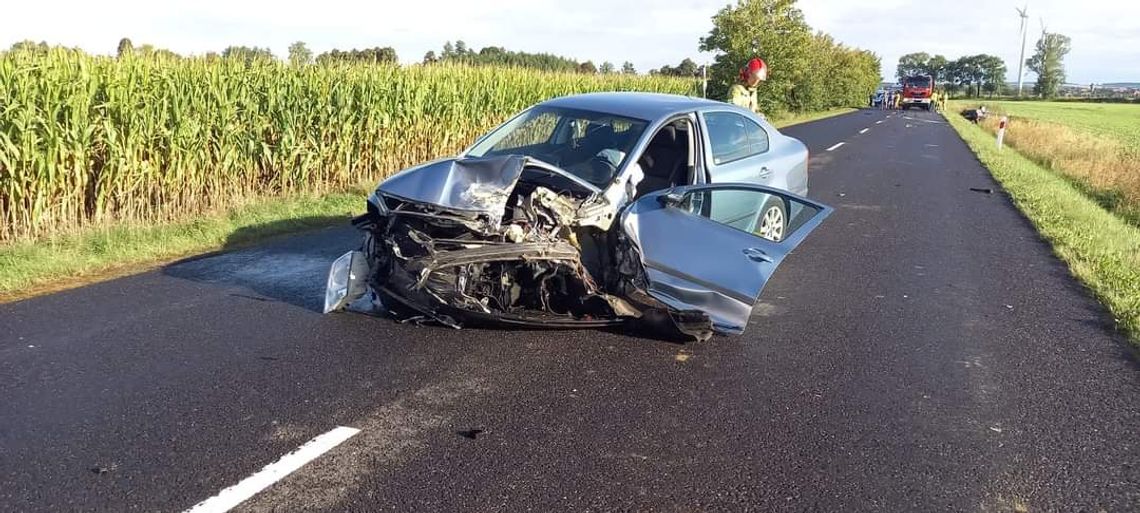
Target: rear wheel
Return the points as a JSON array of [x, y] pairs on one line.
[[773, 220]]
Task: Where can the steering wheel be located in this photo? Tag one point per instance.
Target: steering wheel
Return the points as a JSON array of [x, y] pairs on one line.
[[601, 169]]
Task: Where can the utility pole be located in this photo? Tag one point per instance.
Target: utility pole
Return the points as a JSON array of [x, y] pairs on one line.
[[705, 81], [1021, 61]]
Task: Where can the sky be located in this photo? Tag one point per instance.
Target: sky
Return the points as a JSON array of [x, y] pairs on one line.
[[650, 33]]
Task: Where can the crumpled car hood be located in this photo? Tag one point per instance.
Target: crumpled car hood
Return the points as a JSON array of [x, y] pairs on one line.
[[467, 185]]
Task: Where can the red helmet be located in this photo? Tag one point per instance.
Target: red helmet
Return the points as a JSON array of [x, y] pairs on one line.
[[755, 68]]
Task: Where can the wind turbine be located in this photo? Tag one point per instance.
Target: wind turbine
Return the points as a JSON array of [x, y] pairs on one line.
[[1021, 61]]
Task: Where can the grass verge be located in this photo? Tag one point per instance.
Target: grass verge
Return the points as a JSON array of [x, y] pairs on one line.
[[94, 254], [1102, 164], [782, 120], [1101, 249]]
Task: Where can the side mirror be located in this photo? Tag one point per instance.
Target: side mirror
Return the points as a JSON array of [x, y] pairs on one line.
[[671, 199]]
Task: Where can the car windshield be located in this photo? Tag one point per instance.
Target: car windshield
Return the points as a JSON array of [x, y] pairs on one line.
[[590, 145], [918, 82]]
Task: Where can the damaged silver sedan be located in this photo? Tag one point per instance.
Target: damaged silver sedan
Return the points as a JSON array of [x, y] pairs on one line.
[[594, 210]]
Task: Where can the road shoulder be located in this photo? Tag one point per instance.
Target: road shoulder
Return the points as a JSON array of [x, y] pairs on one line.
[[1099, 248]]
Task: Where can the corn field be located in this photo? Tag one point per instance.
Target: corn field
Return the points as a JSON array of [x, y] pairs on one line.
[[90, 140]]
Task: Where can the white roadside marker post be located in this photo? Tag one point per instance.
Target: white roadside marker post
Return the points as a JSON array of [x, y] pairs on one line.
[[1001, 131]]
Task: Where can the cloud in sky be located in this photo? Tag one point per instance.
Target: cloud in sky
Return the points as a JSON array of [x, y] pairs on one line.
[[1106, 35]]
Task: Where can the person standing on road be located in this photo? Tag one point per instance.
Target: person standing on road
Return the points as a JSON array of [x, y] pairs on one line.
[[743, 93], [898, 101]]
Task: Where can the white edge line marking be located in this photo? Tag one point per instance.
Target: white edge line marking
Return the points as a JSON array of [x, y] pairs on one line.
[[863, 131], [273, 472], [833, 148]]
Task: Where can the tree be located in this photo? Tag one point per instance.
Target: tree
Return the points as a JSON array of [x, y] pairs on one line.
[[968, 72], [588, 68], [28, 45], [492, 52], [913, 64], [499, 56], [430, 58], [299, 54], [375, 55], [772, 29], [1048, 62], [936, 67], [687, 68], [245, 53], [460, 48], [607, 68], [993, 71], [628, 69], [125, 47]]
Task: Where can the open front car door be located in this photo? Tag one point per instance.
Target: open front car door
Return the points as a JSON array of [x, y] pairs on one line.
[[712, 248]]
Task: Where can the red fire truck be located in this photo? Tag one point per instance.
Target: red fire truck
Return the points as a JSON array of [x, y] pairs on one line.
[[917, 92]]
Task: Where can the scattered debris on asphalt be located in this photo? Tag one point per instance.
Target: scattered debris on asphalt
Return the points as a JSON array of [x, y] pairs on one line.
[[469, 433], [104, 470], [682, 357], [986, 190]]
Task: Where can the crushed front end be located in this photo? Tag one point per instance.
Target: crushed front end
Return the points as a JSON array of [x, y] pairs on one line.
[[497, 241]]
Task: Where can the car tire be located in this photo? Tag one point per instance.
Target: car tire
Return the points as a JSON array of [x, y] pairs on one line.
[[773, 221]]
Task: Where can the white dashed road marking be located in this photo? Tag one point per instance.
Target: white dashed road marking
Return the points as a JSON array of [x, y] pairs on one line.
[[273, 472], [863, 131], [879, 122], [833, 148]]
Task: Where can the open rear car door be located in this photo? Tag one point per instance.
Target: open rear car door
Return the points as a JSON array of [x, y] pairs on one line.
[[702, 247]]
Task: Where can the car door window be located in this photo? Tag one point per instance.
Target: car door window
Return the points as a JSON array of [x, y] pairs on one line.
[[757, 212], [733, 137]]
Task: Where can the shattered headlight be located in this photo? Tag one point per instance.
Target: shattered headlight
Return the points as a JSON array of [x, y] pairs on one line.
[[348, 281]]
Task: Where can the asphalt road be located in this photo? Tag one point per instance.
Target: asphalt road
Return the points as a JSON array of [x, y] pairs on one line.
[[922, 351]]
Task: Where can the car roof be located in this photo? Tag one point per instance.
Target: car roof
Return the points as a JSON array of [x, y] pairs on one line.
[[645, 106]]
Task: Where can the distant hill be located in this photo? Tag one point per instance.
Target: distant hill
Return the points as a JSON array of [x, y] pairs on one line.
[[1132, 85]]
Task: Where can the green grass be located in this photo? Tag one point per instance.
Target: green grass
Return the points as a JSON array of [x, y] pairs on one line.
[[95, 253], [1100, 248], [1096, 146], [1119, 121], [98, 253]]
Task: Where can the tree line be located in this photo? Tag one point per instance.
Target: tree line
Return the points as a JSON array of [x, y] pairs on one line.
[[971, 73], [460, 53], [977, 73]]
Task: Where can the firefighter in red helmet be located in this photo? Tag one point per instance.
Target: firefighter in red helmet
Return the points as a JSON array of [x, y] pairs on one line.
[[743, 93]]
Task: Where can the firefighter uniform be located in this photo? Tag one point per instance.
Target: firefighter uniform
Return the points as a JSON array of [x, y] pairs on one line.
[[744, 96]]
